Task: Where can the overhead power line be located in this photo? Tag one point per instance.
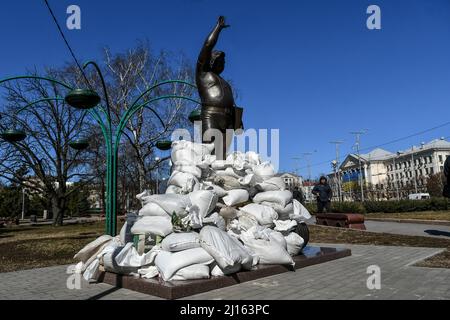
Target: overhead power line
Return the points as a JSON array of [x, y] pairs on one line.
[[387, 143], [67, 43]]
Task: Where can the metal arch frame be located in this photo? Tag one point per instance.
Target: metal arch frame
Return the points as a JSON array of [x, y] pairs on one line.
[[112, 137]]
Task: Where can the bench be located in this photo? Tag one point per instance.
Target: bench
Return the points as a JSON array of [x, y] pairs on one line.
[[341, 220]]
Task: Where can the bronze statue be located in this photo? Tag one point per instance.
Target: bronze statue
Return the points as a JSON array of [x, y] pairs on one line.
[[218, 108]]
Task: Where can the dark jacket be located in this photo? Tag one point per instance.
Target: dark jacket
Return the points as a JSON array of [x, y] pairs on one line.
[[322, 192], [446, 192], [297, 194]]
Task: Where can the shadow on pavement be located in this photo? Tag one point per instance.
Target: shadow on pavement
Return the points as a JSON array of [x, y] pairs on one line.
[[103, 294], [438, 233]]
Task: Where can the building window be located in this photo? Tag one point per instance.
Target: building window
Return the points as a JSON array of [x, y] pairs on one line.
[[440, 158], [431, 170]]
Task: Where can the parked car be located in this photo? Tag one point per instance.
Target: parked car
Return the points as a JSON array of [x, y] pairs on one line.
[[419, 196]]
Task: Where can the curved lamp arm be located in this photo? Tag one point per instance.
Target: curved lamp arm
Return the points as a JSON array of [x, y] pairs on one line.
[[105, 91], [158, 85], [130, 112], [38, 78]]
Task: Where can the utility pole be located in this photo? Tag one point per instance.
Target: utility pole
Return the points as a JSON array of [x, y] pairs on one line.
[[357, 145], [308, 162], [337, 173], [414, 168]]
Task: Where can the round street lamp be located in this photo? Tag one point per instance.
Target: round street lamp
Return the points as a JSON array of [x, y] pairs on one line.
[[82, 98], [13, 135], [79, 144], [164, 145], [195, 115]]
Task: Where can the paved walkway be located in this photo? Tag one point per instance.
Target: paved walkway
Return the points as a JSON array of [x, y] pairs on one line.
[[410, 229], [413, 229], [340, 279]]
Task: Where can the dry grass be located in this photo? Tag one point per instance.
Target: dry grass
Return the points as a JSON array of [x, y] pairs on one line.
[[425, 215]]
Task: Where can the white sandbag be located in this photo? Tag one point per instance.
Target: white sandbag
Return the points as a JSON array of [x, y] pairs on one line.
[[267, 251], [283, 212], [235, 197], [216, 271], [91, 248], [252, 158], [185, 181], [272, 184], [244, 222], [219, 191], [228, 252], [294, 243], [264, 170], [203, 201], [152, 209], [185, 156], [169, 263], [92, 271], [145, 193], [280, 197], [129, 257], [264, 233], [228, 212], [122, 233], [227, 182], [220, 165], [173, 190], [156, 225], [300, 212], [263, 214], [110, 264], [237, 160], [170, 202], [180, 241], [192, 272], [191, 169], [228, 172], [149, 272], [215, 220], [249, 180], [285, 226], [199, 148], [193, 219]]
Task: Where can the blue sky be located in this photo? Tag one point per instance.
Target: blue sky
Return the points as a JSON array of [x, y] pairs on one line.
[[310, 68]]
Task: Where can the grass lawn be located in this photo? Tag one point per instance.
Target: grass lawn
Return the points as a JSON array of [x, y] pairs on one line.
[[424, 215], [40, 246], [323, 234]]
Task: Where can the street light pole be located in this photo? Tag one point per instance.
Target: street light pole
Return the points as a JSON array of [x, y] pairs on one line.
[[23, 203], [157, 174], [338, 176], [414, 168], [357, 144]]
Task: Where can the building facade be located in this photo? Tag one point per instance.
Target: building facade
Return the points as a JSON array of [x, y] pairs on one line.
[[386, 175]]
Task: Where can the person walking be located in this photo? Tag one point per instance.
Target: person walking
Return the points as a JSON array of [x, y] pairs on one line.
[[298, 195], [446, 192], [323, 193]]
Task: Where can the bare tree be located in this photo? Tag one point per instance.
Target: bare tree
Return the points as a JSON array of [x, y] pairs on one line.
[[50, 126]]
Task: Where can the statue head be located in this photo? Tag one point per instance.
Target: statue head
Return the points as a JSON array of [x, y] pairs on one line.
[[217, 62]]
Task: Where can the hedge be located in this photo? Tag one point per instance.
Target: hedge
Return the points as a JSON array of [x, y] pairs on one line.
[[433, 204]]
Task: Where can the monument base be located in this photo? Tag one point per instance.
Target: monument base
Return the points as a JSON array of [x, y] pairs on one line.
[[179, 289], [341, 220]]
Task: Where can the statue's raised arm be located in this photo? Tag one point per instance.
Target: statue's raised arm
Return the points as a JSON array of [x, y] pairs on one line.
[[204, 58]]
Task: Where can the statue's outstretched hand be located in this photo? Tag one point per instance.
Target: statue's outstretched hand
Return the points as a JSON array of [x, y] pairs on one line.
[[221, 22]]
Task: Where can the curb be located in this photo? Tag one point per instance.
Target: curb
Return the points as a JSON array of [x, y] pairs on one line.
[[417, 221]]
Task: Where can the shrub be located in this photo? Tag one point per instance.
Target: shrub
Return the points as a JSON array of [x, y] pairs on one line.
[[433, 204]]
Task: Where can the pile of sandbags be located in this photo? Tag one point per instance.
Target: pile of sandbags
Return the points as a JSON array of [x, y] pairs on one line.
[[217, 217]]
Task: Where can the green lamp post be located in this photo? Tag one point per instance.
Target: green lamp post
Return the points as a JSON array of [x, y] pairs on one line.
[[87, 100]]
